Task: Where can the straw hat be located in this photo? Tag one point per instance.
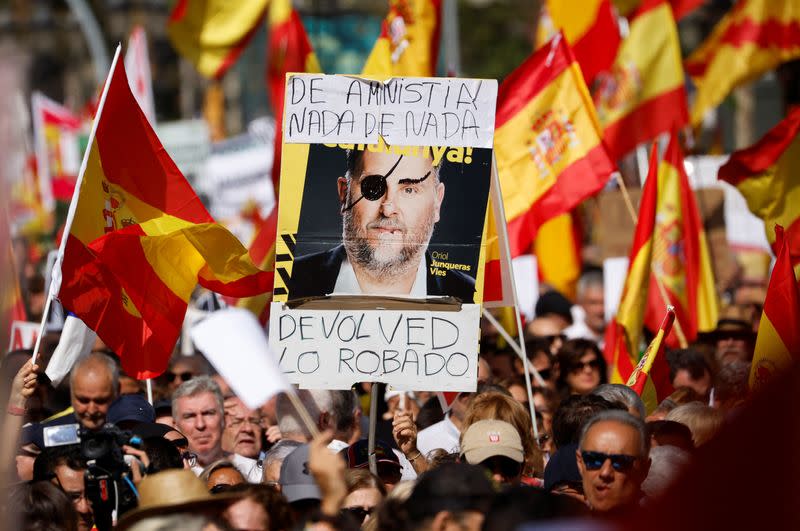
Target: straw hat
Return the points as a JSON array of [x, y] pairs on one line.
[[173, 491]]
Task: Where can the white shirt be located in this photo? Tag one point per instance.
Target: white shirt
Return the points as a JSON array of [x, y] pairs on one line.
[[407, 472], [444, 434], [347, 282], [579, 330]]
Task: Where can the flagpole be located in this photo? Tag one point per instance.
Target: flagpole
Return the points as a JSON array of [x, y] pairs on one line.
[[149, 383], [55, 277], [662, 290], [506, 250]]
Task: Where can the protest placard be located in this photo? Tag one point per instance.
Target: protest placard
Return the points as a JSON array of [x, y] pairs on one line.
[[23, 335], [412, 350], [382, 209]]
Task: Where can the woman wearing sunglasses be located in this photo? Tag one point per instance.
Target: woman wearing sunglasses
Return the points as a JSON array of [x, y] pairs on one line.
[[364, 492], [582, 368]]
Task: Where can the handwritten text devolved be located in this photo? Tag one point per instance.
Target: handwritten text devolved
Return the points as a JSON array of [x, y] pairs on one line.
[[409, 349], [404, 111]]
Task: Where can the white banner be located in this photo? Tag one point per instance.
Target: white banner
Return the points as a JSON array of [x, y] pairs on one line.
[[451, 112], [23, 335], [411, 350]]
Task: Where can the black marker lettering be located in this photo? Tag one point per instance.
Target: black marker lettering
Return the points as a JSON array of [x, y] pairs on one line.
[[440, 329], [313, 363], [281, 335], [312, 89], [410, 327], [303, 325], [366, 354], [343, 360], [457, 364]]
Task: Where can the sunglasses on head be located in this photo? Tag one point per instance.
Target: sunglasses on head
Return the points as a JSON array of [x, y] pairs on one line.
[[579, 366], [184, 376], [595, 460], [358, 513]]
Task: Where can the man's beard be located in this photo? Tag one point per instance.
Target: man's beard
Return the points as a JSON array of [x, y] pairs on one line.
[[372, 255]]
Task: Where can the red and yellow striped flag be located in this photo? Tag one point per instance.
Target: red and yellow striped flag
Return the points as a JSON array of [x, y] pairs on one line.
[[141, 240], [680, 255], [643, 95], [654, 365], [624, 332], [558, 253], [680, 8], [753, 38], [592, 31], [778, 340], [211, 34], [768, 176], [289, 50], [262, 253], [409, 41], [547, 142]]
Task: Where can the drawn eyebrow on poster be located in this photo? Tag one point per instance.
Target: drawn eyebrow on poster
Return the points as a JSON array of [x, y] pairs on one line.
[[456, 112]]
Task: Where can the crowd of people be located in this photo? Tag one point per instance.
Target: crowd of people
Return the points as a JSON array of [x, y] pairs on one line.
[[197, 458]]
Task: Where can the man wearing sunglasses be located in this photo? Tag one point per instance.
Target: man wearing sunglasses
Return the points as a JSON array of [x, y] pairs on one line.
[[613, 459], [390, 202]]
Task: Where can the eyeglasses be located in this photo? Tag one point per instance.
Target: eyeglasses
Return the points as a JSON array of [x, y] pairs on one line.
[[508, 468], [595, 460], [220, 487], [579, 366], [235, 422], [190, 458], [358, 513], [543, 439], [184, 376], [553, 337], [546, 373]]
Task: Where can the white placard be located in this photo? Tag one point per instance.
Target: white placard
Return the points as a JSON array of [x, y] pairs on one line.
[[23, 335], [411, 350], [454, 112], [234, 343]]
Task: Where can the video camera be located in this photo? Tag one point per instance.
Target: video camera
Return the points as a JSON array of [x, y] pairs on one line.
[[107, 481]]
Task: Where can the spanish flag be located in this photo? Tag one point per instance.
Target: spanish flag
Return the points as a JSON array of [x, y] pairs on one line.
[[139, 239], [624, 332], [289, 50], [262, 253], [409, 41], [753, 38], [680, 8], [768, 176], [592, 31], [211, 34], [650, 379], [547, 142], [643, 94], [680, 255], [558, 253], [778, 340]]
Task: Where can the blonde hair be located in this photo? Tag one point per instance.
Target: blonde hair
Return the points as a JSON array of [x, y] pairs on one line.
[[498, 406], [703, 421]]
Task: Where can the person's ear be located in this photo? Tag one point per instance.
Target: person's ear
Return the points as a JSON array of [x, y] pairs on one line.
[[439, 198], [579, 459], [341, 185]]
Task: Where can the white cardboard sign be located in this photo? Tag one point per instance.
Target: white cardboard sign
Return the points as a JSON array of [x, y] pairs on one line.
[[23, 335], [453, 112], [411, 350]]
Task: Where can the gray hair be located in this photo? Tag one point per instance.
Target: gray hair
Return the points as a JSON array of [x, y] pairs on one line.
[[620, 417], [344, 405], [278, 453], [103, 360], [316, 402], [589, 279], [622, 394], [666, 463], [194, 387]]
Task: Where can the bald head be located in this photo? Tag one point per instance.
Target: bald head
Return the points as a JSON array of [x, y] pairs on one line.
[[94, 384]]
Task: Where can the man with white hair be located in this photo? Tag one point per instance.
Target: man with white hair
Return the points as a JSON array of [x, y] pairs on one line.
[[198, 413], [318, 403], [589, 312]]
